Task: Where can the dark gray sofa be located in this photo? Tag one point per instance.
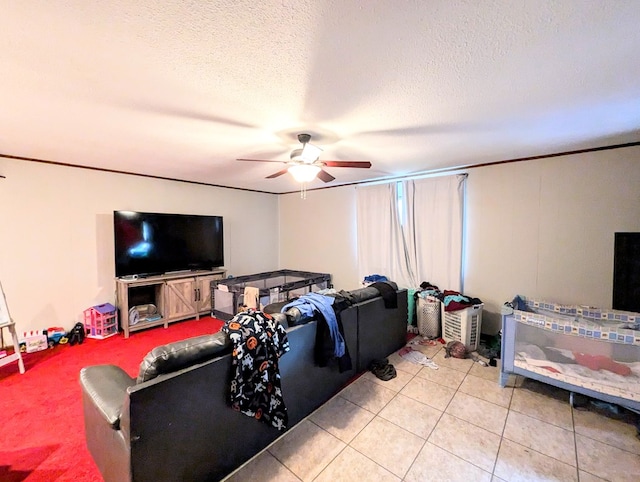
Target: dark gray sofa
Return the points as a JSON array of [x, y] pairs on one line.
[[173, 423]]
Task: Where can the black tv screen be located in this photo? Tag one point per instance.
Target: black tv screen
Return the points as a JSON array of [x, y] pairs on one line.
[[626, 272], [155, 243]]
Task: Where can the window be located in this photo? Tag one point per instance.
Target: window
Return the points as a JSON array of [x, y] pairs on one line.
[[411, 231]]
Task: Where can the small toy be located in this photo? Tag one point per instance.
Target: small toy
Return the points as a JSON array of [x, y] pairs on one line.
[[55, 335], [77, 334], [33, 341]]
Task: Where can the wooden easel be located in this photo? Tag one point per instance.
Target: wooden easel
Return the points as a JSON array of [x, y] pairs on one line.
[[7, 322]]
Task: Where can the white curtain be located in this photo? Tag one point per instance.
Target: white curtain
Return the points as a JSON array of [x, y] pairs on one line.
[[381, 244], [427, 245], [434, 229]]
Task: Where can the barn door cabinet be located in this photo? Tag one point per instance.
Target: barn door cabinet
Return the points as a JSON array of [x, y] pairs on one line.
[[160, 300]]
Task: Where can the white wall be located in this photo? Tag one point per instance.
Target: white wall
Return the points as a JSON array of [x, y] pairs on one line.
[[541, 229], [319, 234], [56, 238], [545, 229]]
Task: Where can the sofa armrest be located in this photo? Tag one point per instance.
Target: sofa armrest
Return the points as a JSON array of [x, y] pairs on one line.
[[106, 387], [381, 331]]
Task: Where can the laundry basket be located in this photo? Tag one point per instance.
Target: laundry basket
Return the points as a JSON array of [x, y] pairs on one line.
[[428, 314], [463, 325]]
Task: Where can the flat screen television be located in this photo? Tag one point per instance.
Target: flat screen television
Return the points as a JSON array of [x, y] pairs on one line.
[[156, 243], [626, 272]]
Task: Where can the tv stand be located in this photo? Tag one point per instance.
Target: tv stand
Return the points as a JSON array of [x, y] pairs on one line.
[[177, 296]]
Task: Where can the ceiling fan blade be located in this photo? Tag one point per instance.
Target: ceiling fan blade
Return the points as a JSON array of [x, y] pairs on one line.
[[362, 164], [277, 174], [310, 153], [325, 176], [258, 160]]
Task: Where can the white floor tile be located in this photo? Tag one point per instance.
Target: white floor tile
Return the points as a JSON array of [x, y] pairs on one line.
[[342, 418], [388, 445], [431, 393], [469, 442], [306, 449], [416, 417], [351, 465], [488, 390], [437, 465], [450, 424], [607, 430], [541, 436], [368, 395], [444, 376], [542, 407], [479, 412], [606, 461], [517, 463], [263, 468]]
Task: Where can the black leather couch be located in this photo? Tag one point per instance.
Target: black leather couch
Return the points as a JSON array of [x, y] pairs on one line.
[[172, 423]]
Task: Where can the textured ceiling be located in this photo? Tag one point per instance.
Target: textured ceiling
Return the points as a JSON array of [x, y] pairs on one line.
[[180, 89]]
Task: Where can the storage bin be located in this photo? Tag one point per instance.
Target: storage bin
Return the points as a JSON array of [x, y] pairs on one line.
[[428, 314], [463, 325]]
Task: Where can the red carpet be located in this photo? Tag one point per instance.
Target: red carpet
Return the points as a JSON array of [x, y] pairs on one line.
[[42, 429]]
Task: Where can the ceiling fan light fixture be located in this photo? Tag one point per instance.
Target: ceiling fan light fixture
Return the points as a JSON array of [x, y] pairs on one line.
[[304, 172]]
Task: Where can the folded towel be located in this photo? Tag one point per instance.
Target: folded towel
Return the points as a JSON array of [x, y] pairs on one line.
[[251, 297]]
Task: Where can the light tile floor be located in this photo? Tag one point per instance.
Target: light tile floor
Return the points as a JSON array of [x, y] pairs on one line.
[[451, 424]]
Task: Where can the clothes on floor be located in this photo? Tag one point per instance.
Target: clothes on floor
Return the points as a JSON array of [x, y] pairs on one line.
[[455, 349], [414, 356], [255, 388], [425, 341], [383, 370]]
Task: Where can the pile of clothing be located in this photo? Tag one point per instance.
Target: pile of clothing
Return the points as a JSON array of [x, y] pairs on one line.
[[452, 300]]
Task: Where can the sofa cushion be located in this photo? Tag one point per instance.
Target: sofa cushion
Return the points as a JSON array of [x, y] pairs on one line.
[[181, 354]]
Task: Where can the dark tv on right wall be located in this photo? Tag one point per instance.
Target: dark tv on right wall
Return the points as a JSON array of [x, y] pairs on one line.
[[626, 272]]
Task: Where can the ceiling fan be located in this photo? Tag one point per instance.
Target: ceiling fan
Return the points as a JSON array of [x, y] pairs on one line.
[[305, 165]]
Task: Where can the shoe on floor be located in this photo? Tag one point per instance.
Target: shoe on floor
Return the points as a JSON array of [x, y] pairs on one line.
[[384, 371]]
